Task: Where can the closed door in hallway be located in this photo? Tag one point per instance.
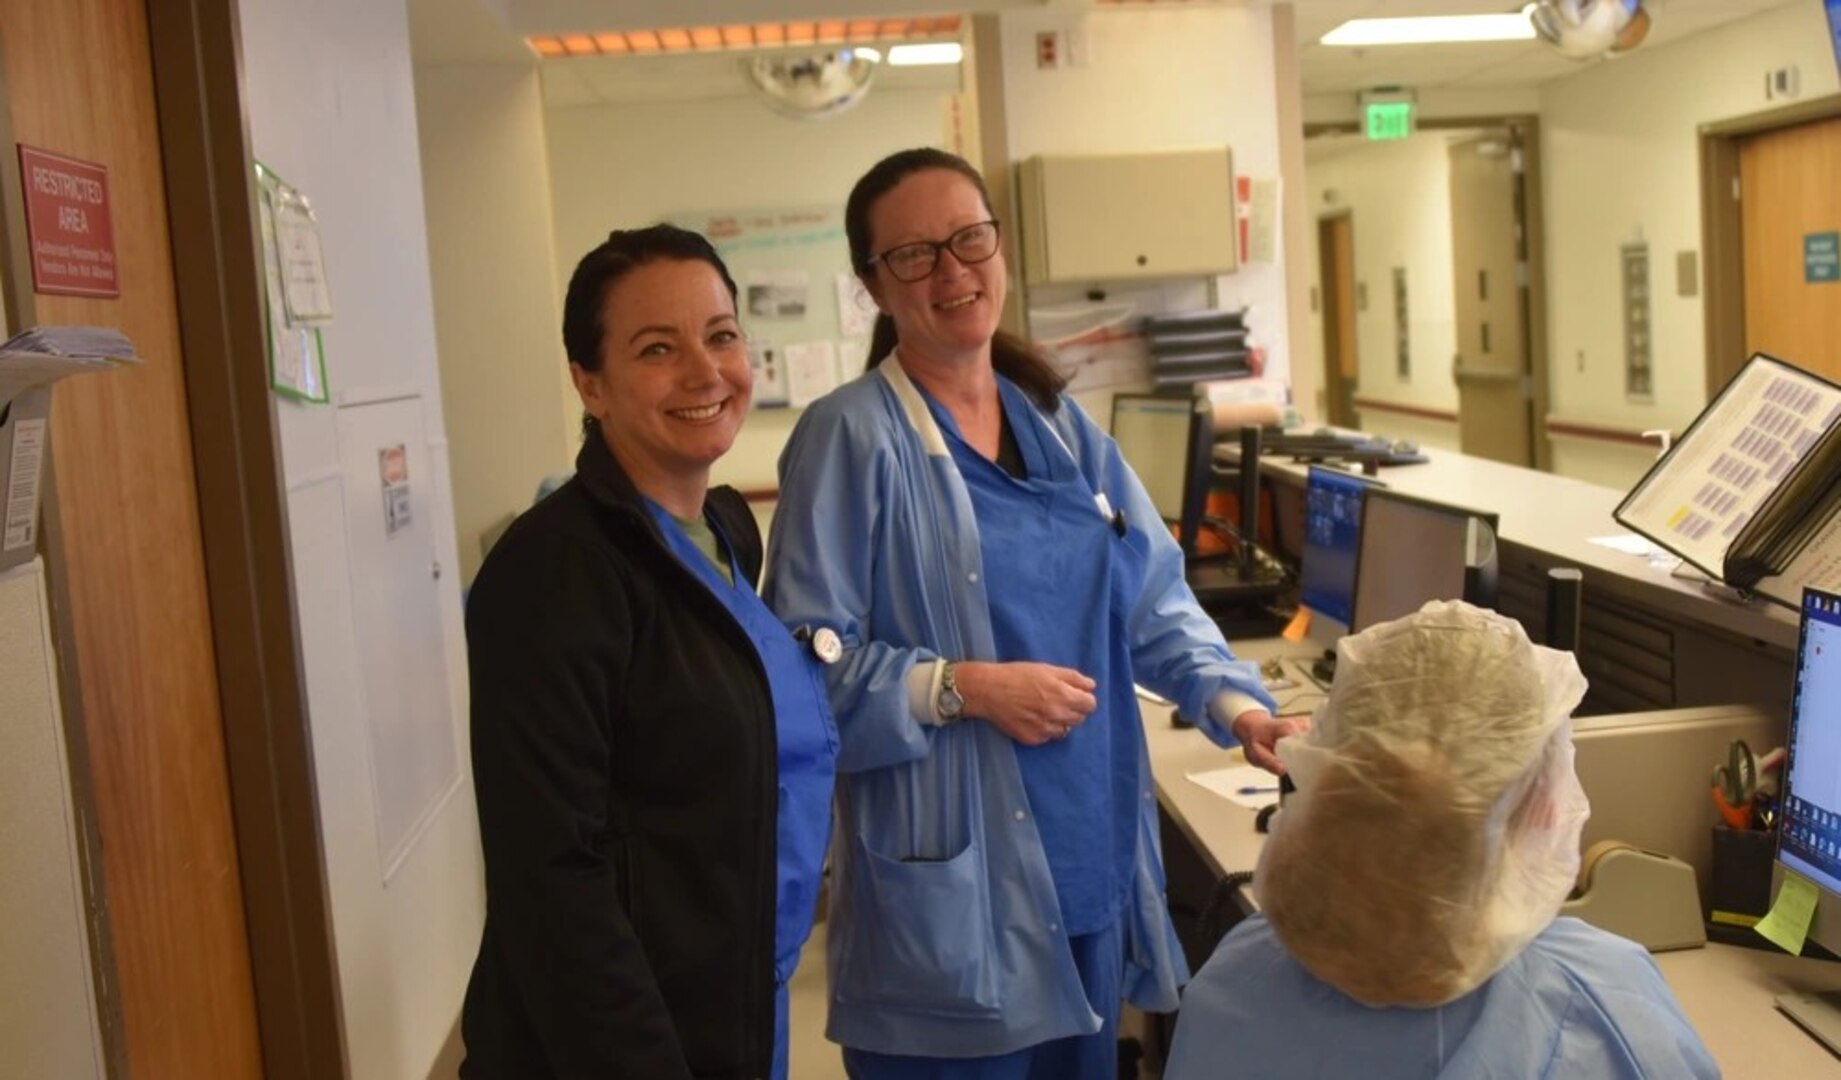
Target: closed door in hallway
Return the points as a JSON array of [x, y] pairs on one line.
[[126, 545], [1490, 303], [1341, 367], [1790, 213]]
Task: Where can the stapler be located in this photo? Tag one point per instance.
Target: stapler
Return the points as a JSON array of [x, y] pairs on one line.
[[1646, 896]]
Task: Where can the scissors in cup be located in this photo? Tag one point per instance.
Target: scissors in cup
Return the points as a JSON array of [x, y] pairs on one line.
[[1735, 786]]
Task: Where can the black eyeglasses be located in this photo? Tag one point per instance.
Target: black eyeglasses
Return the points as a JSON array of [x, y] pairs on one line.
[[915, 262]]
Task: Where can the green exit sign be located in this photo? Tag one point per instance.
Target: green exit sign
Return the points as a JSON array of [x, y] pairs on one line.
[[1390, 120]]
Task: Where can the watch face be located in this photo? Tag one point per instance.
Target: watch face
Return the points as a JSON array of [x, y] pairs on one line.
[[950, 703], [827, 645]]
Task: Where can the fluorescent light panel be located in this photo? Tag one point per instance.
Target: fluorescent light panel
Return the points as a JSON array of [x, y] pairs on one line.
[[800, 33], [1432, 30], [937, 52]]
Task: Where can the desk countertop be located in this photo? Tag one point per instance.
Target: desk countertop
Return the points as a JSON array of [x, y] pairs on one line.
[[1726, 991], [1559, 516]]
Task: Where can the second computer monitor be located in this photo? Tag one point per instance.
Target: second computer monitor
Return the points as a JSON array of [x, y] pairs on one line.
[[1166, 441], [1332, 541], [1414, 550]]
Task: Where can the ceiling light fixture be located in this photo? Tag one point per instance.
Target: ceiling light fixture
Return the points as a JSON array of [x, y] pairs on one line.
[[739, 36], [937, 52], [1432, 30]]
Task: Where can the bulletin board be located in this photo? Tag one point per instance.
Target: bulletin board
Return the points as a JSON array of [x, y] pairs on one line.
[[806, 317]]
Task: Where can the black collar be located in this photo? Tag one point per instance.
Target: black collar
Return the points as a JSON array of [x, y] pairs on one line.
[[603, 478]]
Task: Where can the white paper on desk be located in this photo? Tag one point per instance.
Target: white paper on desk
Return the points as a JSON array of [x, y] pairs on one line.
[[1628, 543], [1228, 782]]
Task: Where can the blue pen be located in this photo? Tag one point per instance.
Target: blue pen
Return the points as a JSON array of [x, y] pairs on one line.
[[1258, 790]]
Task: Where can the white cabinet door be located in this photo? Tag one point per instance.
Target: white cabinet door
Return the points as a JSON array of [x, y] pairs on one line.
[[48, 1020], [396, 583], [1116, 217]]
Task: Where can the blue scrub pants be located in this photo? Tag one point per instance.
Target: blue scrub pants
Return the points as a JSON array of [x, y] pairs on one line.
[[782, 1034], [1100, 957]]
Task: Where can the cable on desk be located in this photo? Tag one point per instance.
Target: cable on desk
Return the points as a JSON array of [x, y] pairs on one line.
[[1286, 706]]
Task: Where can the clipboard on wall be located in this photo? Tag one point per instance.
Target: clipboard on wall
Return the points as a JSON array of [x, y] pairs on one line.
[[293, 308]]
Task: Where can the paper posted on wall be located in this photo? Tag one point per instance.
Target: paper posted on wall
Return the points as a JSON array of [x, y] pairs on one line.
[[811, 369]]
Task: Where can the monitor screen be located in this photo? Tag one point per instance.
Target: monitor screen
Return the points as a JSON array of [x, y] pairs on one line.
[[1415, 550], [1809, 833], [1332, 537], [1834, 27], [1155, 435]]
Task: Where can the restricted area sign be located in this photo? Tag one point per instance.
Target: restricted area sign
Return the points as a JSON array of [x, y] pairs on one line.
[[67, 224]]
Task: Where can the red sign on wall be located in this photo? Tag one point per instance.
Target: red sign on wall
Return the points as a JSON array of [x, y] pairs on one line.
[[67, 222]]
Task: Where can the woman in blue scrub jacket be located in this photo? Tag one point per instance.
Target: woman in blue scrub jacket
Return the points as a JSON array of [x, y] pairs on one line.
[[652, 751], [999, 580]]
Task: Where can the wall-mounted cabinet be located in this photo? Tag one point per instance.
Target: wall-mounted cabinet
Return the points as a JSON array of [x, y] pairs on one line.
[[1118, 217]]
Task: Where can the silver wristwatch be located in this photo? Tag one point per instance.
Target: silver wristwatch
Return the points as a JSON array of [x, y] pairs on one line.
[[950, 704]]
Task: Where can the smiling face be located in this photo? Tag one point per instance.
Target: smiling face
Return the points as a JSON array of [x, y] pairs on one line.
[[674, 382], [952, 313]]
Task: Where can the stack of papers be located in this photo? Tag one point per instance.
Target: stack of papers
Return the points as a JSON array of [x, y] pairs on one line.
[[46, 354]]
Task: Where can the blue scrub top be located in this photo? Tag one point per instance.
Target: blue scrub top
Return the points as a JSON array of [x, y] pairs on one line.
[[1577, 1002], [806, 736], [1048, 577]]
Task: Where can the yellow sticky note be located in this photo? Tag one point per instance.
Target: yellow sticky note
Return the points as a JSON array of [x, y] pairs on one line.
[[1298, 626], [1788, 923]]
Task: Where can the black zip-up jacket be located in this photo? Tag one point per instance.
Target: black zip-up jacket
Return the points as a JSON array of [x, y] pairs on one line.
[[625, 764]]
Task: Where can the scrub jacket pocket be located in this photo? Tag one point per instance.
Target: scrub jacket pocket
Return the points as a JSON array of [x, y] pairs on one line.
[[937, 954]]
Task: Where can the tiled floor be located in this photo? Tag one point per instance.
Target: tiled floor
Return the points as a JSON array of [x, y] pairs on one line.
[[812, 1058]]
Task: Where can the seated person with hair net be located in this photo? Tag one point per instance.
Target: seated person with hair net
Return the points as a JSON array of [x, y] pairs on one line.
[[1409, 888]]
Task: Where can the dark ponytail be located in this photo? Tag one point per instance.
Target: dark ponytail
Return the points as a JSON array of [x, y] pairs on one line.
[[1012, 357]]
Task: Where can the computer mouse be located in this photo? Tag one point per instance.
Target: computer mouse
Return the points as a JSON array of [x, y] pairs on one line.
[[1405, 446]]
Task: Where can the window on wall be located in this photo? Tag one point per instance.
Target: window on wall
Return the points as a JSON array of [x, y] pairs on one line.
[[1638, 374], [1403, 351]]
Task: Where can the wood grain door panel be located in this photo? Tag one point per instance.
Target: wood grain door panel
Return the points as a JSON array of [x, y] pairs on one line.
[[1790, 188], [80, 83]]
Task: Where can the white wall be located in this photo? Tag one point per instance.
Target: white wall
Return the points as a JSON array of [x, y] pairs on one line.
[[623, 166], [491, 244], [1398, 195], [1159, 79], [1620, 158], [331, 108]]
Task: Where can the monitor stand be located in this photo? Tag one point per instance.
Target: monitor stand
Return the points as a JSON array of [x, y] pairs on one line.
[[1818, 1014]]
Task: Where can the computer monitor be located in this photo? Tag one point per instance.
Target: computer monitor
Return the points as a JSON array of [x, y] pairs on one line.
[[1413, 550], [1167, 442], [1809, 824], [1332, 540], [1834, 27]]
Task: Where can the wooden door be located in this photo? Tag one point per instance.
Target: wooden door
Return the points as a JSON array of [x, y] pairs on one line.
[[128, 553], [1341, 364], [1790, 215], [1491, 367]]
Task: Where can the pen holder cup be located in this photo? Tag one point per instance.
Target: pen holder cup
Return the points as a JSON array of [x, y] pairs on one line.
[[1741, 882]]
